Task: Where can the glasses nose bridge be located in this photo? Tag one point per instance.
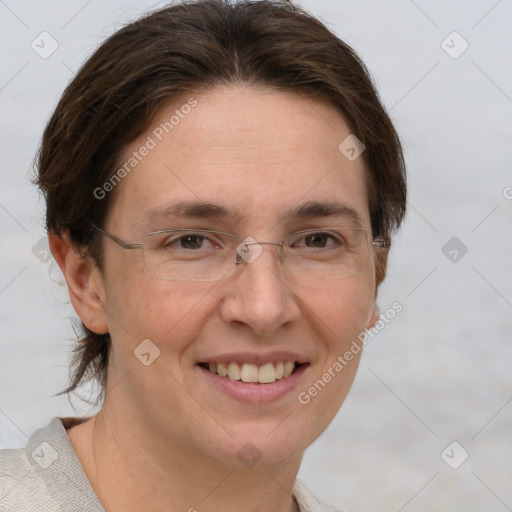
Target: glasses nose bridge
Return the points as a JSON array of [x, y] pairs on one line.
[[279, 253], [257, 242]]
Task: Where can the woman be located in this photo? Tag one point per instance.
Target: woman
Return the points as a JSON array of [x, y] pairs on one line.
[[222, 184]]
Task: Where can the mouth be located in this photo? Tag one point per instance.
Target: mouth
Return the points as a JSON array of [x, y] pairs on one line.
[[250, 373]]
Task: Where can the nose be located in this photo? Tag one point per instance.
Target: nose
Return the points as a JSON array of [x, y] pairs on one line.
[[259, 297]]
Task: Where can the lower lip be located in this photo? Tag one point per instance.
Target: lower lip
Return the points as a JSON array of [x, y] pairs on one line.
[[254, 392]]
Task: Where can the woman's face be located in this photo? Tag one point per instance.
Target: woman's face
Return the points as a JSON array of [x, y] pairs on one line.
[[244, 161]]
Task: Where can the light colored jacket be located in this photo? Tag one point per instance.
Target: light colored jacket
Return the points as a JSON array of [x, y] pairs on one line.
[[46, 476]]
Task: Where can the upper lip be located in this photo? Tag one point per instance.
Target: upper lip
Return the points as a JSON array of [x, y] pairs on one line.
[[256, 358]]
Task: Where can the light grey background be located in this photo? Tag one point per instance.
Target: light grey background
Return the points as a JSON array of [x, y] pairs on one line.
[[441, 370]]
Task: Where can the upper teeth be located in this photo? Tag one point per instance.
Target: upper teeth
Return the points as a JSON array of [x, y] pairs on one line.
[[246, 372]]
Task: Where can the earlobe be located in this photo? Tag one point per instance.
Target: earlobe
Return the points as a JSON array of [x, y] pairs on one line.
[[84, 282], [374, 316]]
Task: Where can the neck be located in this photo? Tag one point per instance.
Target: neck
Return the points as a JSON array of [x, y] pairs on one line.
[[132, 466]]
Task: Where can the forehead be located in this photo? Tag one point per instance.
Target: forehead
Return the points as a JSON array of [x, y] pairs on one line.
[[257, 153]]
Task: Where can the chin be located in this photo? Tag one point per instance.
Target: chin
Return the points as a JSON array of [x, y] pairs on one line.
[[267, 444]]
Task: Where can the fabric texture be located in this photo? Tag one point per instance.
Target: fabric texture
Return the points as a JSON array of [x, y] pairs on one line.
[[46, 476]]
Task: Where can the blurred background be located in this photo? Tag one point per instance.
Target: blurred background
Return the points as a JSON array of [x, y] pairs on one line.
[[428, 423]]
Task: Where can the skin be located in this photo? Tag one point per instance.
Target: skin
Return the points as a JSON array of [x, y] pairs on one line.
[[165, 439]]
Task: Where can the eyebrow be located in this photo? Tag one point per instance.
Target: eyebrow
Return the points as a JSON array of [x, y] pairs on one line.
[[188, 209], [199, 209], [324, 209]]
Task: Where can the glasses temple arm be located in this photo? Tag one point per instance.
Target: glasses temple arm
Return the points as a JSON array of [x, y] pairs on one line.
[[118, 241]]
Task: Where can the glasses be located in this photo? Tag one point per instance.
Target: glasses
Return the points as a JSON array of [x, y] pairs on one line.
[[205, 255]]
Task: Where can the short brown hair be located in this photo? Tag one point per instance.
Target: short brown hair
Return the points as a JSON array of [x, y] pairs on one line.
[[187, 47]]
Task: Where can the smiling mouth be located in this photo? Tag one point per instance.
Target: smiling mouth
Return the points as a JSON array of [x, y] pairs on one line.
[[252, 373]]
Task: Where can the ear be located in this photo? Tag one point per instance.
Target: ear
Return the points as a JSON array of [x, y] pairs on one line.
[[374, 316], [381, 263], [84, 280]]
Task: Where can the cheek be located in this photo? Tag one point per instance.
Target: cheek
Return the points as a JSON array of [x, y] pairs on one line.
[[340, 310], [141, 307], [338, 316]]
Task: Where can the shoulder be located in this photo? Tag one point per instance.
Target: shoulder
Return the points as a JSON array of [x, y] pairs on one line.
[[45, 475], [308, 502], [18, 482]]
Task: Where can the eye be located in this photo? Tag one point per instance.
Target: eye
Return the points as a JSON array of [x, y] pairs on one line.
[[318, 240], [191, 241], [188, 241]]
